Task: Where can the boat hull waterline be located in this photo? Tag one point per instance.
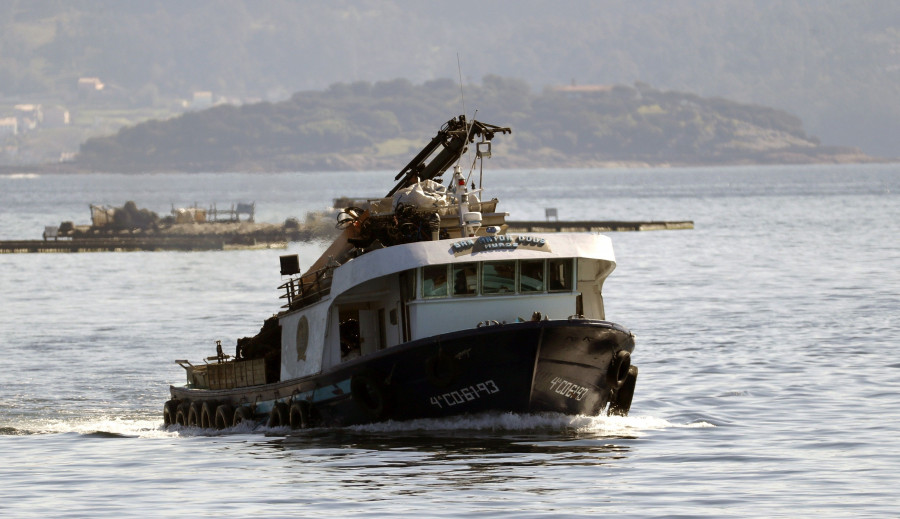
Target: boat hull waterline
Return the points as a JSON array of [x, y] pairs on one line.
[[573, 367]]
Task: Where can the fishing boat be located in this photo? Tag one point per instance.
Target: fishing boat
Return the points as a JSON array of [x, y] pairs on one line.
[[425, 307]]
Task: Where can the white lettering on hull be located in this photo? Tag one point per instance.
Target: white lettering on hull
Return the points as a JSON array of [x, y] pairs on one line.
[[466, 394], [568, 389]]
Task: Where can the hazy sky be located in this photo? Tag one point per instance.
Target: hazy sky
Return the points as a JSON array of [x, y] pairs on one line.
[[836, 64]]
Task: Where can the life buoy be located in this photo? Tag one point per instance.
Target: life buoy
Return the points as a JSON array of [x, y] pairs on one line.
[[299, 414], [242, 414], [208, 415], [441, 369], [280, 415], [224, 416], [618, 369], [170, 408], [367, 391]]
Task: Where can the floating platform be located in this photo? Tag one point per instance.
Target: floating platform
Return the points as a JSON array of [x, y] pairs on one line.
[[596, 226], [279, 240], [130, 244]]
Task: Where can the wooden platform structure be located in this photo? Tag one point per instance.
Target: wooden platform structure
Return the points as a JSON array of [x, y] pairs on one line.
[[279, 240], [596, 226], [130, 244]]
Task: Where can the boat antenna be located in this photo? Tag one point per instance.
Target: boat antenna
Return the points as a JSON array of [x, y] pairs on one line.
[[469, 125], [462, 96]]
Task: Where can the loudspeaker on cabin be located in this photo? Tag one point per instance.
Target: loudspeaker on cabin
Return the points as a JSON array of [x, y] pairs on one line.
[[290, 265]]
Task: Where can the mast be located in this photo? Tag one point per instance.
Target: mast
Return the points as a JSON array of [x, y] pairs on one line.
[[451, 140]]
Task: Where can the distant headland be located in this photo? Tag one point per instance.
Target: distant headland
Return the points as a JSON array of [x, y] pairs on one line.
[[365, 126]]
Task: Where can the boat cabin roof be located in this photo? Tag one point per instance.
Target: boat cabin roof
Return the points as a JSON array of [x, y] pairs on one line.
[[403, 257]]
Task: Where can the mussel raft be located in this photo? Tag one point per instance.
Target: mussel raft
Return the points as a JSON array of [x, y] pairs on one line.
[[425, 307]]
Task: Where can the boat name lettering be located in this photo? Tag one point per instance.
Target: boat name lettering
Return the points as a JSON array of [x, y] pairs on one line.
[[462, 245], [500, 242], [531, 240], [466, 394], [568, 389]]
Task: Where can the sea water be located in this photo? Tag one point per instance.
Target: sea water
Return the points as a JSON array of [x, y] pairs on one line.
[[767, 340]]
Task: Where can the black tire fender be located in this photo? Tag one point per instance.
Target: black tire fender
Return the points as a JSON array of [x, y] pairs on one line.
[[300, 414], [279, 416], [224, 416], [208, 415], [193, 417], [181, 413], [242, 414], [621, 399], [618, 369], [170, 409]]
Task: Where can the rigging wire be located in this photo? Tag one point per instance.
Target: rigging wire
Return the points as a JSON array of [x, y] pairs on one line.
[[462, 96], [469, 125]]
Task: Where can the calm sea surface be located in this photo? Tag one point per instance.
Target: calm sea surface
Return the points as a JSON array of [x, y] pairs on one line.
[[768, 340]]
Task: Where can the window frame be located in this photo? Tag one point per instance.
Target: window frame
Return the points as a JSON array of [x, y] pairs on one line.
[[519, 276], [572, 275], [515, 278], [423, 278], [450, 269], [459, 266]]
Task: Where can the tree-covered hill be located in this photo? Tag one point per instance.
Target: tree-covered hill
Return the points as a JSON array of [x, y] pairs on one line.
[[835, 64], [378, 125]]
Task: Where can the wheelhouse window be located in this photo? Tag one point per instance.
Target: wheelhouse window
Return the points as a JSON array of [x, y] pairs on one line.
[[531, 276], [498, 277], [434, 281], [560, 275], [491, 278], [465, 279]]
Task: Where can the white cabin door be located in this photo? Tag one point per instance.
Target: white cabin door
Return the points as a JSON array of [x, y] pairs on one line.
[[369, 333]]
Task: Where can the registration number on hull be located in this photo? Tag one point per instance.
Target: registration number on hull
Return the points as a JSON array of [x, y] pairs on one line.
[[466, 394], [568, 389]]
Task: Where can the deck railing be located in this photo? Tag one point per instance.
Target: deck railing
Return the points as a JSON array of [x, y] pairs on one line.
[[307, 289]]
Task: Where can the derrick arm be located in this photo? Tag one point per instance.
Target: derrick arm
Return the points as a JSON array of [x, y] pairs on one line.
[[452, 137]]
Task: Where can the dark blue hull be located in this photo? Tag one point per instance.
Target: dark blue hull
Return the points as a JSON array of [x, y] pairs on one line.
[[573, 367]]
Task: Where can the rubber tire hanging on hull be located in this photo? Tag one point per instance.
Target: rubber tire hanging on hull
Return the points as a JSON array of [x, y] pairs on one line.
[[170, 408], [193, 417], [242, 414], [224, 416], [299, 413], [620, 402], [280, 415], [208, 415], [181, 414], [618, 369]]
